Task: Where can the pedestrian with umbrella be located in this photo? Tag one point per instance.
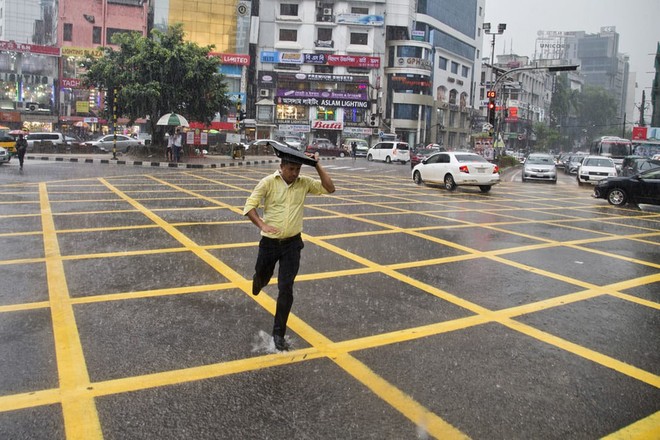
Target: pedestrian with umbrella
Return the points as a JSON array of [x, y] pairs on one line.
[[175, 141]]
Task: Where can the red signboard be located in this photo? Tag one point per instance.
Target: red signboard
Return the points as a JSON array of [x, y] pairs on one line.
[[639, 133], [232, 58], [353, 61], [12, 46]]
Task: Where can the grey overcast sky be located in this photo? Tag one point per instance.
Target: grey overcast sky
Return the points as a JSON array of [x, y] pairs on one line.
[[636, 21]]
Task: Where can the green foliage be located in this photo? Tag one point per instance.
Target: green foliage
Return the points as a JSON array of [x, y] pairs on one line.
[[597, 113], [157, 75], [546, 138], [507, 161]]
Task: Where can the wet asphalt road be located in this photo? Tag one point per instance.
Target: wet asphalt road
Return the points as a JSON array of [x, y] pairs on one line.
[[126, 313]]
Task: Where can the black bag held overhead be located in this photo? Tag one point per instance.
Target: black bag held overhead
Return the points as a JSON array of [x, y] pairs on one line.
[[291, 155]]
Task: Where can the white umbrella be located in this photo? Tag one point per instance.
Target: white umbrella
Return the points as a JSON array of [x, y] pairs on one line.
[[173, 119]]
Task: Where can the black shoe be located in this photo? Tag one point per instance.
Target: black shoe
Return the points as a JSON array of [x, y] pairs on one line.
[[280, 343], [256, 288]]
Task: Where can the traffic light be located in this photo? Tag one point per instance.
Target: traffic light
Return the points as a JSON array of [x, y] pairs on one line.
[[241, 115], [373, 119], [491, 111]]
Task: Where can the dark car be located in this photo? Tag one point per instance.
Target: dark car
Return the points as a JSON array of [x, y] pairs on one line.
[[573, 163], [640, 188], [422, 153], [636, 164], [326, 148]]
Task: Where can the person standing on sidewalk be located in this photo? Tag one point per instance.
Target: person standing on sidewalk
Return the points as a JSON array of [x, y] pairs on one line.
[[178, 144], [283, 196], [21, 149]]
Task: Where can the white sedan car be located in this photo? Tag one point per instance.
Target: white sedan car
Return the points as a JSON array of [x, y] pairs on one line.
[[105, 144], [4, 155], [453, 169], [594, 169]]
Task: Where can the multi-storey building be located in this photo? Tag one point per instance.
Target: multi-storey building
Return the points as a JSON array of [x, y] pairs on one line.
[[82, 28], [28, 62], [602, 65], [401, 67], [319, 68], [223, 24], [454, 28]]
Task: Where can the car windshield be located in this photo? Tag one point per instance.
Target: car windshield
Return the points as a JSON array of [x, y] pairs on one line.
[[598, 162], [540, 160], [423, 151], [470, 158]]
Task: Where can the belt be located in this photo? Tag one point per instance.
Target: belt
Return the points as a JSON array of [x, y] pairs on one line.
[[281, 240]]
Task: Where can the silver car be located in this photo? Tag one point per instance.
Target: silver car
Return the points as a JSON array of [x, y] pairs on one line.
[[539, 167]]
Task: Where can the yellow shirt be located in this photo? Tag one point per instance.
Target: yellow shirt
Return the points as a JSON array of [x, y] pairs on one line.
[[283, 204]]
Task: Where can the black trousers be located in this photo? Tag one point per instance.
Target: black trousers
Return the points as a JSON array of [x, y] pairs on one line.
[[21, 158], [287, 253]]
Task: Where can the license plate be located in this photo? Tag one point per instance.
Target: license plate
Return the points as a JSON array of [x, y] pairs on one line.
[[481, 170]]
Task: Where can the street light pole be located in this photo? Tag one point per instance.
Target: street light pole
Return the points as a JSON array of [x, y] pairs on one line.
[[500, 30]]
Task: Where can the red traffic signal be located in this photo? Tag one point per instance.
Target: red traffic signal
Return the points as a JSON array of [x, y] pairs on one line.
[[491, 104], [491, 94]]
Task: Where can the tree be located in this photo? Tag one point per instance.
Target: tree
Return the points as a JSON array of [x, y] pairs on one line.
[[157, 75], [547, 138], [597, 112], [563, 112]]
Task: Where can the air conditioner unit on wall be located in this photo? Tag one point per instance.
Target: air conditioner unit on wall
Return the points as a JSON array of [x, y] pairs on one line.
[[327, 11], [264, 93]]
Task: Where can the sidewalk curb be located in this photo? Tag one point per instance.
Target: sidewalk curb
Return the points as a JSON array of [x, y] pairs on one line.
[[213, 162]]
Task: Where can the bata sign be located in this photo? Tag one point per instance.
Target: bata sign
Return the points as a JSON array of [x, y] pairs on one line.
[[318, 124]]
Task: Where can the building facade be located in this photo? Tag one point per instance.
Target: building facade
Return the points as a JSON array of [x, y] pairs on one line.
[[83, 27], [28, 62]]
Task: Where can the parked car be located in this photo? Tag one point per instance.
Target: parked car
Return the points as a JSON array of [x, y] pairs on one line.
[[105, 144], [632, 165], [362, 146], [390, 151], [595, 168], [454, 169], [4, 155], [422, 153], [325, 147], [539, 166], [640, 188], [53, 138]]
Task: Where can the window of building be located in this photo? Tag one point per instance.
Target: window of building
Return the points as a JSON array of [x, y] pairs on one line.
[[358, 10], [289, 9], [96, 35], [465, 71], [354, 115], [110, 32], [442, 63], [68, 32], [452, 96], [324, 34], [324, 69], [358, 70], [288, 35], [454, 67], [359, 38], [326, 113]]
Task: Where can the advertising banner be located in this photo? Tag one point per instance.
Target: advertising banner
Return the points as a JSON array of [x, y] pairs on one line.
[[321, 94], [347, 103], [354, 61]]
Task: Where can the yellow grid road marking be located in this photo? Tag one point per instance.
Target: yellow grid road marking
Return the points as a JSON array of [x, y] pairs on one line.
[[81, 421]]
